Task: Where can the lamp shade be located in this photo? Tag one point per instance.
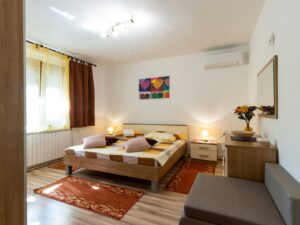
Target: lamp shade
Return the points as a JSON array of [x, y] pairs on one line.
[[204, 134], [110, 130]]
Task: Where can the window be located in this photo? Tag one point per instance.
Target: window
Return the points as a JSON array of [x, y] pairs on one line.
[[47, 90]]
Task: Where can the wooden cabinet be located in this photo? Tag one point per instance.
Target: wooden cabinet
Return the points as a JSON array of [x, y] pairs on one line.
[[247, 159], [204, 150]]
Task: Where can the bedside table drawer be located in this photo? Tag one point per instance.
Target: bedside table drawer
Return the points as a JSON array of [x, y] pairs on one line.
[[205, 147], [204, 154]]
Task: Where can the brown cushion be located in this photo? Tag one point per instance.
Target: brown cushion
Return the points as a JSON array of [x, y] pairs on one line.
[[231, 201], [151, 141], [110, 140]]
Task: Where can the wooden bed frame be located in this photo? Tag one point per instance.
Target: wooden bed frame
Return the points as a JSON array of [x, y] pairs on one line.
[[153, 174]]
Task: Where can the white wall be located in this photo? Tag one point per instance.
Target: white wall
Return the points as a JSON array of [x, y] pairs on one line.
[[200, 98], [283, 19], [99, 73]]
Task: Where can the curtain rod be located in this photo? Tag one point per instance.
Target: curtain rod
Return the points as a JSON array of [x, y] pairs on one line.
[[61, 53]]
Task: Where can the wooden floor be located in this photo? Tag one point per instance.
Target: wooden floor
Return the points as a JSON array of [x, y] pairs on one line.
[[153, 208]]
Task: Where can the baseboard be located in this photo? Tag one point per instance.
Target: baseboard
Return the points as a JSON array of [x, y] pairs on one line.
[[37, 166]]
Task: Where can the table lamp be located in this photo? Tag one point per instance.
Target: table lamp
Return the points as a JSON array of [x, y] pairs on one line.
[[204, 135], [110, 130]]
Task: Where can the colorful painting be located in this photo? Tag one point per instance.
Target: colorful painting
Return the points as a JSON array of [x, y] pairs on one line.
[[154, 88]]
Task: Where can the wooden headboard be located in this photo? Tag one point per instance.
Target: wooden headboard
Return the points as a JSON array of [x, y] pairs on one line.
[[147, 128]]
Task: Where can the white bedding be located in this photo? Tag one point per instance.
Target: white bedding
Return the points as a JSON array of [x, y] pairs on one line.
[[160, 157]]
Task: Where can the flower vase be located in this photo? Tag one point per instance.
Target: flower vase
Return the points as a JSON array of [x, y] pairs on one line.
[[248, 128]]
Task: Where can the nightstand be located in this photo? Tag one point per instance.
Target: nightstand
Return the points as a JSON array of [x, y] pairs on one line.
[[204, 150]]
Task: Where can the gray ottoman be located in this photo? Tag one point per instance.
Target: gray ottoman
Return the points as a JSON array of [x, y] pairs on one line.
[[233, 201]]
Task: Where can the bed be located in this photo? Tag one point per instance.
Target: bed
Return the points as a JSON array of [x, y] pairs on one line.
[[139, 165]]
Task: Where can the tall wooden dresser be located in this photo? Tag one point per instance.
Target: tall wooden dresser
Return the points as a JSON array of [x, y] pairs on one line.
[[247, 159]]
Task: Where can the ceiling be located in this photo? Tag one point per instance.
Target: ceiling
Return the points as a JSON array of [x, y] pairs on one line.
[[162, 28]]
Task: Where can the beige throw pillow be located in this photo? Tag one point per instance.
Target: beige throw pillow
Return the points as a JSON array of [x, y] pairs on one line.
[[161, 137], [95, 141], [138, 144]]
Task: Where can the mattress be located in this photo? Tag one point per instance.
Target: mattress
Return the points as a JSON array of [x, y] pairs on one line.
[[156, 156]]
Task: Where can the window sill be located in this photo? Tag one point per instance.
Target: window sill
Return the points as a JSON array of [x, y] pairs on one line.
[[49, 131]]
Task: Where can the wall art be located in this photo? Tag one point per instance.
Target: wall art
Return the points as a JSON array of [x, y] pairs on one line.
[[154, 88]]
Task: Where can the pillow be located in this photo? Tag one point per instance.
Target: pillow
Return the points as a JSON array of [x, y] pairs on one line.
[[177, 136], [151, 141], [122, 133], [110, 140], [161, 137], [128, 133], [180, 137], [95, 141], [138, 144]]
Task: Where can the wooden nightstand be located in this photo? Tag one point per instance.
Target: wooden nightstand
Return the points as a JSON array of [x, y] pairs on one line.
[[204, 150]]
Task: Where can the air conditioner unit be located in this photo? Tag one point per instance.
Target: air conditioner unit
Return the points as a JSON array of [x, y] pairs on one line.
[[225, 60]]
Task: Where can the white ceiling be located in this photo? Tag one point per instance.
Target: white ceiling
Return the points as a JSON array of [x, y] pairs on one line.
[[163, 27]]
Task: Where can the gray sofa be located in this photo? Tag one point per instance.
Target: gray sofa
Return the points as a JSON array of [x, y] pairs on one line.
[[232, 201]]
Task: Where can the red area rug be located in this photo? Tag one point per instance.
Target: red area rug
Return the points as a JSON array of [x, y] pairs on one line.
[[97, 197], [61, 166], [185, 175]]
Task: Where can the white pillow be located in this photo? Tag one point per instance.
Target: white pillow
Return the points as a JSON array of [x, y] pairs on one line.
[[95, 141], [138, 144], [161, 136], [128, 133]]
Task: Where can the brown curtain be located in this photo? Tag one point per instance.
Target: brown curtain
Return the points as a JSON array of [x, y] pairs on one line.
[[82, 95]]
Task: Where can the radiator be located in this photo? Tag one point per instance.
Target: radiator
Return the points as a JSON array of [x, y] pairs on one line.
[[47, 146]]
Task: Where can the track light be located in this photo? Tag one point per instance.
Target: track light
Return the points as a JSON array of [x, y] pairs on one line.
[[114, 33], [118, 27]]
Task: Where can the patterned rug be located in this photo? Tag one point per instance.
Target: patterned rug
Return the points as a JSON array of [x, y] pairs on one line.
[[61, 166], [108, 200], [185, 175]]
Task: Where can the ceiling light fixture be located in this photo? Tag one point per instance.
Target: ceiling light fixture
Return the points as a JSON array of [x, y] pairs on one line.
[[64, 14], [118, 27]]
